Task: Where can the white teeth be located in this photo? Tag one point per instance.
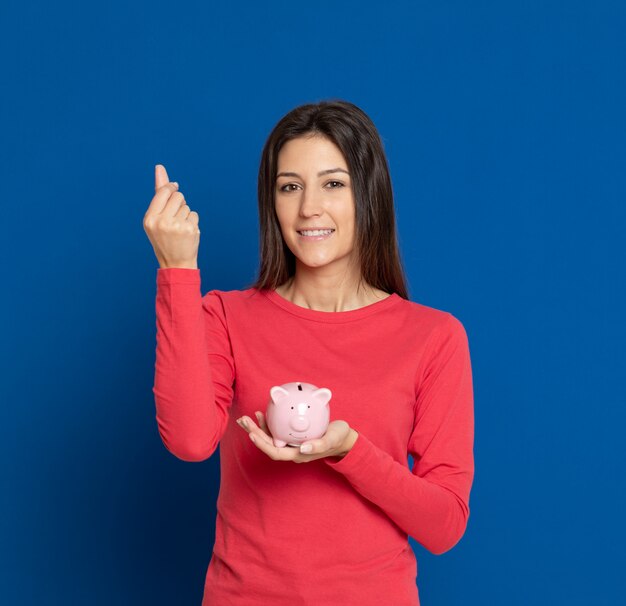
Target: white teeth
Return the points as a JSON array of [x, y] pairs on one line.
[[316, 232]]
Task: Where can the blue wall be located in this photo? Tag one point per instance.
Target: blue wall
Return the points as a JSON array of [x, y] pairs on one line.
[[504, 124]]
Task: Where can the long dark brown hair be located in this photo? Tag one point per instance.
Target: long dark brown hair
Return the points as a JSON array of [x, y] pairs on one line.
[[353, 132]]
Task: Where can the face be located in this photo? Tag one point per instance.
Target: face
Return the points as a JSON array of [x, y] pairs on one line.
[[314, 190]]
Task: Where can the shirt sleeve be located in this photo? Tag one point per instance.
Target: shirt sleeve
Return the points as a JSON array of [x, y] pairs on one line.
[[431, 501], [194, 368]]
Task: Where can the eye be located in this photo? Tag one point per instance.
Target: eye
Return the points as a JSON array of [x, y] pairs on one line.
[[286, 188], [288, 185]]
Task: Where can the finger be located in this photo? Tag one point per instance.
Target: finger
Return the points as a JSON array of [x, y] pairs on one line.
[[183, 212], [160, 176], [160, 199], [311, 447], [261, 425], [195, 219], [261, 421], [248, 425], [278, 454], [173, 202]]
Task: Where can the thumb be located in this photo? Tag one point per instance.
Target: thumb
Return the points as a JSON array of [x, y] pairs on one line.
[[160, 176]]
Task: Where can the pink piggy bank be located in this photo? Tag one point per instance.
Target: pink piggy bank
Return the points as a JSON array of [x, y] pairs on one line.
[[297, 412]]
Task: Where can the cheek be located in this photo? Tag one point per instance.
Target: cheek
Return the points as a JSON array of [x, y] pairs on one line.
[[283, 212], [280, 215], [348, 220]]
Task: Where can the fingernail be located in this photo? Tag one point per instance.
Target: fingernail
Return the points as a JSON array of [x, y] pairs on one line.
[[306, 448], [245, 423]]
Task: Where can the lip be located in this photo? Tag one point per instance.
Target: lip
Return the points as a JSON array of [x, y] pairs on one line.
[[315, 238]]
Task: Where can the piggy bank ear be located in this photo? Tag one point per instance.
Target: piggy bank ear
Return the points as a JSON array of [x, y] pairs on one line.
[[322, 395], [278, 394]]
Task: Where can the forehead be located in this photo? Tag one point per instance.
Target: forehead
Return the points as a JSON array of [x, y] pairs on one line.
[[315, 152]]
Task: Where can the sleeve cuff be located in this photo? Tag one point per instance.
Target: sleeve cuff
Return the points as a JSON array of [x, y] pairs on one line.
[[178, 275], [356, 458]]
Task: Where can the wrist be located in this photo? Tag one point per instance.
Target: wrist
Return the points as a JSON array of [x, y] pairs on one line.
[[180, 266], [349, 443]]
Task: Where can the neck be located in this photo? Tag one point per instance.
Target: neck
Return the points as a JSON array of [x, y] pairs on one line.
[[327, 293]]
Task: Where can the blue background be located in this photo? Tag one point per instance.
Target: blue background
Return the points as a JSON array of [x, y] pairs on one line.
[[504, 125]]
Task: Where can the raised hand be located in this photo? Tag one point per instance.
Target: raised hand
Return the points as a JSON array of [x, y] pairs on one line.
[[171, 226]]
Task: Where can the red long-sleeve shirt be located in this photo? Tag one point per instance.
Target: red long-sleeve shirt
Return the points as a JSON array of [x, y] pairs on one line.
[[333, 530]]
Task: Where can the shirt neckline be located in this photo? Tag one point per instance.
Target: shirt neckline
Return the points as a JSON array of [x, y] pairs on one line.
[[331, 316]]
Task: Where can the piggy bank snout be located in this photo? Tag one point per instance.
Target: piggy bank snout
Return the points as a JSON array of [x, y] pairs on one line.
[[300, 423]]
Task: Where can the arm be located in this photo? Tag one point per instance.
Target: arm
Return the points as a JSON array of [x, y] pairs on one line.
[[194, 369], [349, 443], [431, 501]]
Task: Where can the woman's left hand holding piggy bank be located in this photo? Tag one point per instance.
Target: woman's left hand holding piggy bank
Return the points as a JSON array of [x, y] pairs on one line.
[[336, 442]]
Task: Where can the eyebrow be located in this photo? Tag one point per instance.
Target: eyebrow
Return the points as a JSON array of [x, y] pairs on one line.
[[323, 172]]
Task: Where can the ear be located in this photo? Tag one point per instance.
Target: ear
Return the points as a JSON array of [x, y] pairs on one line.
[[278, 394], [322, 395]]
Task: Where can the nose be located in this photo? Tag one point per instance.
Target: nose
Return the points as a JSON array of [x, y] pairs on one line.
[[311, 202], [300, 422]]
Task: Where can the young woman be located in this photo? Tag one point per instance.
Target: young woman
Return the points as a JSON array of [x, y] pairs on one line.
[[329, 307]]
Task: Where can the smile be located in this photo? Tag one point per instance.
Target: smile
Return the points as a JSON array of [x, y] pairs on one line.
[[315, 235]]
